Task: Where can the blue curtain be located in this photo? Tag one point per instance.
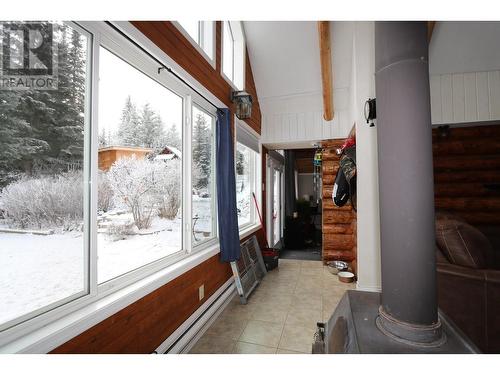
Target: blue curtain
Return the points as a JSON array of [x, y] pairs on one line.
[[226, 190]]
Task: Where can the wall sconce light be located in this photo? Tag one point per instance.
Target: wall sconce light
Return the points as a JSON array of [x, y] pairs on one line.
[[243, 102]]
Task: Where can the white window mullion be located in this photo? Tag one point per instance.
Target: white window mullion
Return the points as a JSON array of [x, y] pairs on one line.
[[94, 93], [233, 76], [201, 35], [187, 177], [215, 213]]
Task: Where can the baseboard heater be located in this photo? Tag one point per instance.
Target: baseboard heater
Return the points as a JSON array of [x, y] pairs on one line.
[[189, 332]]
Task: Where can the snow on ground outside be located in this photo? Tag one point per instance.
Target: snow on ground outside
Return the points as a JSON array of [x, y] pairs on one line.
[[36, 271], [202, 208], [114, 258], [243, 199]]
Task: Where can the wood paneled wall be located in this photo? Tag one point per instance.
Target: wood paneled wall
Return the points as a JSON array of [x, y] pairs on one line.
[[339, 223], [304, 160], [142, 326], [467, 173], [166, 36]]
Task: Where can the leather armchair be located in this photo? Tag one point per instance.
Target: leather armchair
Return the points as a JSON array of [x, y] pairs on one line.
[[468, 283]]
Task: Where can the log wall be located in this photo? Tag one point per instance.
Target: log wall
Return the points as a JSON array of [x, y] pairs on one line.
[[467, 173], [339, 223]]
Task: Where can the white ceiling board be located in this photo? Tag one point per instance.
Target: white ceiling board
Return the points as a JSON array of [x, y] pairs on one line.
[[284, 57], [461, 47]]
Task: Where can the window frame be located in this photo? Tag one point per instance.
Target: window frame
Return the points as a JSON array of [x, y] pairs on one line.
[[256, 169], [202, 31], [128, 52], [213, 191], [238, 55], [88, 255], [102, 34]]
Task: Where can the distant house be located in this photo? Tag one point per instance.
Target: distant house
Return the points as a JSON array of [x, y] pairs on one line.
[[169, 153], [108, 155]]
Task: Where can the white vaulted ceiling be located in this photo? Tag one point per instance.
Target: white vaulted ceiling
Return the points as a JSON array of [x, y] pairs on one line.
[[284, 57], [285, 61]]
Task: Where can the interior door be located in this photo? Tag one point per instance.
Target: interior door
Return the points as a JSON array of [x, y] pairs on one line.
[[274, 201]]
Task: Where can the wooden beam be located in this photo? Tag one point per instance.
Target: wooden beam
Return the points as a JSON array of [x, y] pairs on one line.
[[326, 68], [430, 29]]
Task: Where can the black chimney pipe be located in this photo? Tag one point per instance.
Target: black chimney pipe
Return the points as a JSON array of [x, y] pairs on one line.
[[408, 311]]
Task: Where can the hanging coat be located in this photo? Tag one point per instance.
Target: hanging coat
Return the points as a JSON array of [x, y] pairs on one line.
[[345, 181], [348, 166], [340, 194]]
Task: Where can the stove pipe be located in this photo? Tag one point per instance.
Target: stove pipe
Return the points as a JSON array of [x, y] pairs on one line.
[[408, 311]]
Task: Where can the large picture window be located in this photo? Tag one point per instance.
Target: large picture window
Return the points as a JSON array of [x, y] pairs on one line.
[[245, 174], [203, 178], [104, 180], [44, 172], [247, 161], [139, 217]]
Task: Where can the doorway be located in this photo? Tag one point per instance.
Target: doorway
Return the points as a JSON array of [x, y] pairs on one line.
[[275, 196], [294, 203]]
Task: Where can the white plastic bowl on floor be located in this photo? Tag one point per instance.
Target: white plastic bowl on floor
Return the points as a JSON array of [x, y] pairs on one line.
[[346, 277]]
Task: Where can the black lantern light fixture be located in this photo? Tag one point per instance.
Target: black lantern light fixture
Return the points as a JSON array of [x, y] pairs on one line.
[[243, 102]]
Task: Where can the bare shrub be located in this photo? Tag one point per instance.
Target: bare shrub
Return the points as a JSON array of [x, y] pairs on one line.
[[45, 201], [142, 186], [120, 231], [104, 192], [170, 191]]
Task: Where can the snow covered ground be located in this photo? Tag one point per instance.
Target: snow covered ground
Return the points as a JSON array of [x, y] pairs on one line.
[[36, 271], [243, 199], [114, 258], [202, 208]]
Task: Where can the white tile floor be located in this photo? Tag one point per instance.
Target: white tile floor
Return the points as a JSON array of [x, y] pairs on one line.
[[281, 314]]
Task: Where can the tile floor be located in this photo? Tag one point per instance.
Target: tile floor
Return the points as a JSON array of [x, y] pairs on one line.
[[281, 314]]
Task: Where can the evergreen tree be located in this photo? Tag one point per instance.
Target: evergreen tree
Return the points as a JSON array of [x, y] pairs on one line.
[[128, 129], [240, 167], [43, 129], [240, 163], [16, 143], [69, 100], [172, 137], [201, 146], [151, 128], [102, 138]]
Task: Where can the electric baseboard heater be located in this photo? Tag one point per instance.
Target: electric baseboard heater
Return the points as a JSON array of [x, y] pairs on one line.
[[249, 270]]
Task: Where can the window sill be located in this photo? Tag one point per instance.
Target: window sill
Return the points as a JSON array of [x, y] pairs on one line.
[[60, 331], [249, 230], [230, 82]]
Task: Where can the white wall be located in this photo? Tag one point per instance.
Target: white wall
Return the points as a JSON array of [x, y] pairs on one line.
[[299, 117], [465, 97], [461, 47], [368, 225], [464, 66]]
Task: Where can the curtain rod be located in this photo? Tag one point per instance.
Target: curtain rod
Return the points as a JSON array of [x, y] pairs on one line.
[[162, 66]]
